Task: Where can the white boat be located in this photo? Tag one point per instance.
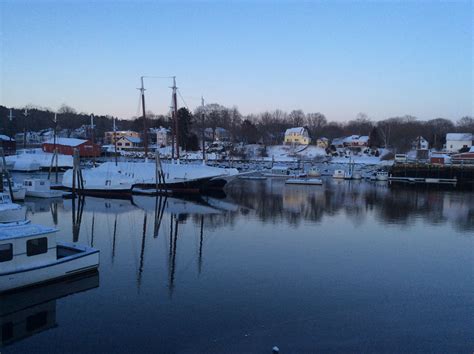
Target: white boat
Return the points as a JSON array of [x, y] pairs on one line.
[[357, 176], [10, 212], [30, 254], [381, 176], [40, 188], [29, 160], [339, 174], [123, 176], [278, 172], [314, 172], [304, 181], [18, 190]]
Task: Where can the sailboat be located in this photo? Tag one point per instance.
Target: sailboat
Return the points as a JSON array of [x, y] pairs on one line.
[[125, 177]]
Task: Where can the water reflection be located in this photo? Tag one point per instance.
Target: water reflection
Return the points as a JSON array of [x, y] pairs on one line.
[[29, 312], [308, 267], [139, 221]]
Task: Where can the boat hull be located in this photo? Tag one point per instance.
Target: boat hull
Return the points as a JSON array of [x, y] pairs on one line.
[[45, 194], [87, 259]]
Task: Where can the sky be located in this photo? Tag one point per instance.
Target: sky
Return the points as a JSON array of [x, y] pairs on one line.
[[339, 58]]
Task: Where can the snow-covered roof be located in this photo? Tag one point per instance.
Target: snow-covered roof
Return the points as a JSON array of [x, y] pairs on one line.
[[6, 138], [25, 230], [459, 136], [133, 139], [356, 138], [66, 141], [297, 130]]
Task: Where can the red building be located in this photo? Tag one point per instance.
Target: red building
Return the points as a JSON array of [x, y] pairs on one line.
[[66, 146], [8, 144]]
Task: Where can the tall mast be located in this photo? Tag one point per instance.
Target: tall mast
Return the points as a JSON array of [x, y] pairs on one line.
[[145, 127], [92, 139], [202, 132], [55, 156], [25, 113], [175, 112]]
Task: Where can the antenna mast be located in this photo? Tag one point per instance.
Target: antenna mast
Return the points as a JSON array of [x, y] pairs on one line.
[[202, 132], [10, 117], [175, 113]]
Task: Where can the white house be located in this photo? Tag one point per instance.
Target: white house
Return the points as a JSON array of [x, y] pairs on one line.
[[162, 136], [298, 135], [420, 143], [128, 142], [457, 141], [356, 141]]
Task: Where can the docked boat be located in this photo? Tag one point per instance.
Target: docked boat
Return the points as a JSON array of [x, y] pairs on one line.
[[30, 254], [18, 191], [10, 212], [278, 172], [381, 176], [314, 172], [339, 174], [121, 178], [304, 181], [40, 188], [357, 176], [30, 160]]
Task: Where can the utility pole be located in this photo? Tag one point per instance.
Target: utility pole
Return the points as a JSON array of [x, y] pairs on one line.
[[145, 126], [202, 132], [175, 113], [25, 113], [10, 117], [115, 141]]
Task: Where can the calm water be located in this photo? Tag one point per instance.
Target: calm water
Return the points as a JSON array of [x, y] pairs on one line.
[[359, 267]]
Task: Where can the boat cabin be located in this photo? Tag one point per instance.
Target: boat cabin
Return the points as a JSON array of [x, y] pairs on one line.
[[37, 185], [280, 170], [26, 245]]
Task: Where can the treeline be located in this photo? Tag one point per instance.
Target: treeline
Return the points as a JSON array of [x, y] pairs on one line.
[[267, 128]]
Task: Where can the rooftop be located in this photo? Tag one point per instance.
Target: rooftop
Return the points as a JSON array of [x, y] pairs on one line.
[[66, 141], [24, 230]]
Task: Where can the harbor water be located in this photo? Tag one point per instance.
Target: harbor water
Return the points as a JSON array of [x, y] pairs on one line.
[[349, 266]]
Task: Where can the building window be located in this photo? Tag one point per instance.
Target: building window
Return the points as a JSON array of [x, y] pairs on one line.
[[119, 144], [127, 144], [36, 246], [6, 252]]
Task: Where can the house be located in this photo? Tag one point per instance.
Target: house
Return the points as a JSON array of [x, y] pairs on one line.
[[163, 136], [322, 143], [128, 143], [298, 135], [8, 144], [109, 136], [219, 134], [457, 141], [337, 142], [420, 143], [354, 141], [66, 146]]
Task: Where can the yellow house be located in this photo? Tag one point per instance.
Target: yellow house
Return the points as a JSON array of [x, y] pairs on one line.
[[109, 136], [299, 136]]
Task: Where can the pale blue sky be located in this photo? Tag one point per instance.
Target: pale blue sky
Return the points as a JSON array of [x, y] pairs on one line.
[[338, 58]]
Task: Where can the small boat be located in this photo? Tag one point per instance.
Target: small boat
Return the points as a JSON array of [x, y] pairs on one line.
[[18, 190], [339, 174], [357, 176], [314, 172], [40, 188], [307, 181], [30, 254], [278, 172], [381, 176], [9, 211]]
